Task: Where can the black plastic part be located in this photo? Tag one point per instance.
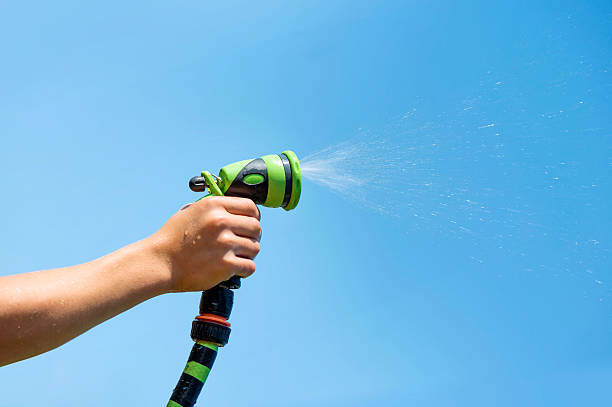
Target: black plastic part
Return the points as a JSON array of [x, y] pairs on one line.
[[288, 179], [258, 193], [209, 331], [197, 184], [218, 301], [187, 391], [188, 388], [203, 355], [233, 283]]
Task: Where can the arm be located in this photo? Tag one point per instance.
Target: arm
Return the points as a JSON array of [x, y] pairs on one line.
[[200, 246]]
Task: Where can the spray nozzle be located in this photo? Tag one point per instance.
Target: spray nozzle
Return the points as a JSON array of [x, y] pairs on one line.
[[273, 180]]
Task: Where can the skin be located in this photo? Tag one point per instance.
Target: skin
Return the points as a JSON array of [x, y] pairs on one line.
[[200, 246]]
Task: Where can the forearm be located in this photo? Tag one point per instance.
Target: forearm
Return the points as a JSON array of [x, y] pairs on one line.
[[41, 310], [197, 248]]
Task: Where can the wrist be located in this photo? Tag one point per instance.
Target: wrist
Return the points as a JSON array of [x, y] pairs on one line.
[[157, 257]]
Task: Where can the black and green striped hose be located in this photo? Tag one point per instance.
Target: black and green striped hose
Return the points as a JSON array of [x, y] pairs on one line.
[[194, 375]]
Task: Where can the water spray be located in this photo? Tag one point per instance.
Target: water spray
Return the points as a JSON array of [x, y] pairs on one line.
[[274, 181]]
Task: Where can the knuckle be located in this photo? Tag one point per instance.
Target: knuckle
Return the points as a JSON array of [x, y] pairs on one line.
[[251, 267], [255, 210], [225, 239], [251, 205], [257, 227], [248, 268], [219, 221], [211, 204], [214, 200], [227, 263], [205, 203]]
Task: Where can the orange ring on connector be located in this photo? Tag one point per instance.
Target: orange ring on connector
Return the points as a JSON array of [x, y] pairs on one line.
[[215, 319]]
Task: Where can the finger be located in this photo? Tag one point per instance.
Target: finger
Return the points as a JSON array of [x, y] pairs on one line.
[[243, 267], [246, 227], [240, 206], [246, 247]]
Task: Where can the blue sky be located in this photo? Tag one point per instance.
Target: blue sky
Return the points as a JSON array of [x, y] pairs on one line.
[[107, 109]]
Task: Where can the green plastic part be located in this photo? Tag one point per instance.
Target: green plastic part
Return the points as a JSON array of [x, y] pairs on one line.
[[230, 172], [209, 345], [211, 183], [173, 404], [197, 370], [276, 180], [296, 180], [254, 179]]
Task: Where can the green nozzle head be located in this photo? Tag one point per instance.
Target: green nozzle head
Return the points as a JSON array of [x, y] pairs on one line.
[[273, 180]]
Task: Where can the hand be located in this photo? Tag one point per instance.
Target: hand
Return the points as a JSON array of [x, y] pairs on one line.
[[210, 241]]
